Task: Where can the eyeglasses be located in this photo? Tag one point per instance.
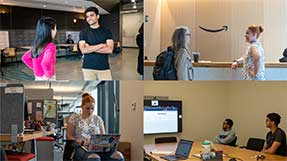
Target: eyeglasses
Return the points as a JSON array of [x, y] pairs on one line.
[[90, 108]]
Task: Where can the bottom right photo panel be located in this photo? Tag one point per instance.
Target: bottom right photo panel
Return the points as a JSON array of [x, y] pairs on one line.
[[215, 120]]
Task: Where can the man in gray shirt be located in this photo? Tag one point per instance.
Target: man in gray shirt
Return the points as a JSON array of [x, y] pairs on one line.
[[276, 137], [227, 135]]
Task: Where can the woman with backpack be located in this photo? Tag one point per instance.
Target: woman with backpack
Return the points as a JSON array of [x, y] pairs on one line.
[[42, 57], [182, 59]]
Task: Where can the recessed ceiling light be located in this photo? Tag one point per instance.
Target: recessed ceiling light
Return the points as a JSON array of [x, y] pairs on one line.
[[44, 6]]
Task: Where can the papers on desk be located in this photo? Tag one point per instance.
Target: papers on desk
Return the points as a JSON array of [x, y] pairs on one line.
[[196, 155], [165, 152]]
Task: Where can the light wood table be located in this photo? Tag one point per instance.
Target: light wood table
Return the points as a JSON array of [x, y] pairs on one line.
[[26, 137], [229, 151]]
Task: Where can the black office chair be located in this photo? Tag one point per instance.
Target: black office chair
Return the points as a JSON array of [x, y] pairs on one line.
[[233, 143], [69, 150], [254, 144], [165, 140]]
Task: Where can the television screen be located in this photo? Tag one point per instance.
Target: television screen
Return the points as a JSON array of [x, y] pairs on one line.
[[162, 116]]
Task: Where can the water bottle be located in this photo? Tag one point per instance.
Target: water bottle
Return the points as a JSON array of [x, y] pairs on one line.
[[205, 150]]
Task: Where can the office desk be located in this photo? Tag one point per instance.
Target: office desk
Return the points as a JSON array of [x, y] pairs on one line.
[[26, 137], [244, 154]]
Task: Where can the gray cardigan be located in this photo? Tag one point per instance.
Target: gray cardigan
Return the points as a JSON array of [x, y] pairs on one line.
[[183, 64]]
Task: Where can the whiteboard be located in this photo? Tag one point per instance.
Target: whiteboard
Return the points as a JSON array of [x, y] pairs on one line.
[[75, 35], [4, 39]]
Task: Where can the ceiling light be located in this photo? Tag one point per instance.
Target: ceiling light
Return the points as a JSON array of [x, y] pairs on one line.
[[44, 6], [75, 20], [135, 5], [133, 1]]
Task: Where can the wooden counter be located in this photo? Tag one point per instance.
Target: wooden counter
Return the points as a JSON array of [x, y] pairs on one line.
[[229, 151], [26, 137], [222, 64]]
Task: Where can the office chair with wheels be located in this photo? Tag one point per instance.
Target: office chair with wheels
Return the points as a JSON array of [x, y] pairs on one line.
[[254, 144], [165, 140]]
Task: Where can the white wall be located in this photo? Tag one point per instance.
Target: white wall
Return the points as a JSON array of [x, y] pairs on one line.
[[207, 104], [131, 23], [131, 120]]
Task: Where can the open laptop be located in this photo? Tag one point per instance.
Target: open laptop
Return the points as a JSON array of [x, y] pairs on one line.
[[182, 151], [104, 142]]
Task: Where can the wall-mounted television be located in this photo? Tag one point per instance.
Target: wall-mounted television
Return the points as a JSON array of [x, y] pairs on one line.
[[162, 116]]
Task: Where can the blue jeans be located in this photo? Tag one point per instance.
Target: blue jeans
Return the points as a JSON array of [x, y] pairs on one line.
[[82, 155]]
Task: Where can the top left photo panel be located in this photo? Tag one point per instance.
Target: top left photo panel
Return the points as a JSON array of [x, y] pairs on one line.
[[48, 40]]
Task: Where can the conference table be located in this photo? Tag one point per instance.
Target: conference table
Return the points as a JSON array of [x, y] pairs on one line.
[[228, 151]]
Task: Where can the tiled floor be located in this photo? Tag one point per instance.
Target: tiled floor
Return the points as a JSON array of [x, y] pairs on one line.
[[123, 67]]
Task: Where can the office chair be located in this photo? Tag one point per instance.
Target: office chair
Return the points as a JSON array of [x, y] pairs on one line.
[[165, 140], [233, 143], [254, 144], [69, 150]]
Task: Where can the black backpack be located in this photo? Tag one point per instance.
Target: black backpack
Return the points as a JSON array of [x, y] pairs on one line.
[[164, 66]]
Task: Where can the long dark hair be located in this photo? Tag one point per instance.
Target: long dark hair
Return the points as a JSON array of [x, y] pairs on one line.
[[43, 35], [141, 29]]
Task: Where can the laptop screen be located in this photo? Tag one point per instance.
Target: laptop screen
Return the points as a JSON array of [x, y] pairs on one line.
[[183, 148]]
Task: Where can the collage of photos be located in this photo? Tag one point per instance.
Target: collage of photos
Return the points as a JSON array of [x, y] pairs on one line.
[[143, 80]]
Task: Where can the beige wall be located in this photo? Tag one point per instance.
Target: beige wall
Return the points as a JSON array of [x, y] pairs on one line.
[[131, 23], [206, 104], [131, 121], [250, 102], [238, 15], [203, 106], [152, 28]]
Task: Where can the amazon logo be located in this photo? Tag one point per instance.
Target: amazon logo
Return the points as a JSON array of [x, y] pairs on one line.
[[224, 28]]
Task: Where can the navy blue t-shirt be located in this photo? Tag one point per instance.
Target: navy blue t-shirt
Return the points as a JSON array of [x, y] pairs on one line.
[[94, 60]]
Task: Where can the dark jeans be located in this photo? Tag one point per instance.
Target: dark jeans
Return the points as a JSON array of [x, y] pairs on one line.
[[82, 155]]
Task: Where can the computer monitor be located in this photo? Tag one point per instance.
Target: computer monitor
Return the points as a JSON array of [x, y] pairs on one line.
[[162, 116], [50, 111]]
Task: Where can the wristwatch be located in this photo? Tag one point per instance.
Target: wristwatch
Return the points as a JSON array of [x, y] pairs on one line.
[[82, 143]]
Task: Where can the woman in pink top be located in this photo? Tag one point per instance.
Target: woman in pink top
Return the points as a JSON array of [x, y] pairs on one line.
[[42, 57]]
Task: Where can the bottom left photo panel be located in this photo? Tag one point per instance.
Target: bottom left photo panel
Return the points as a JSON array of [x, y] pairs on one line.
[[71, 120]]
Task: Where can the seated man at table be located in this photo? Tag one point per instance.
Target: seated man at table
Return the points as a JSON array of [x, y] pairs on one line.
[[227, 135], [69, 40], [276, 137]]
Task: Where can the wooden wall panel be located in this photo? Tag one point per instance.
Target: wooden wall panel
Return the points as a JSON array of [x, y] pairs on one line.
[[224, 46], [152, 39], [275, 34], [213, 14], [176, 13]]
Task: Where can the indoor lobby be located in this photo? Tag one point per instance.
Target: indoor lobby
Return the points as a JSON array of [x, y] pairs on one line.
[[217, 29], [17, 31]]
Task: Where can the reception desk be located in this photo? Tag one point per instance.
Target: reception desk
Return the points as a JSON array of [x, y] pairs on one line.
[[207, 70]]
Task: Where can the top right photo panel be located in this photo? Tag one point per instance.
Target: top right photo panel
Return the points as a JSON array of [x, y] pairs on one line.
[[215, 40]]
